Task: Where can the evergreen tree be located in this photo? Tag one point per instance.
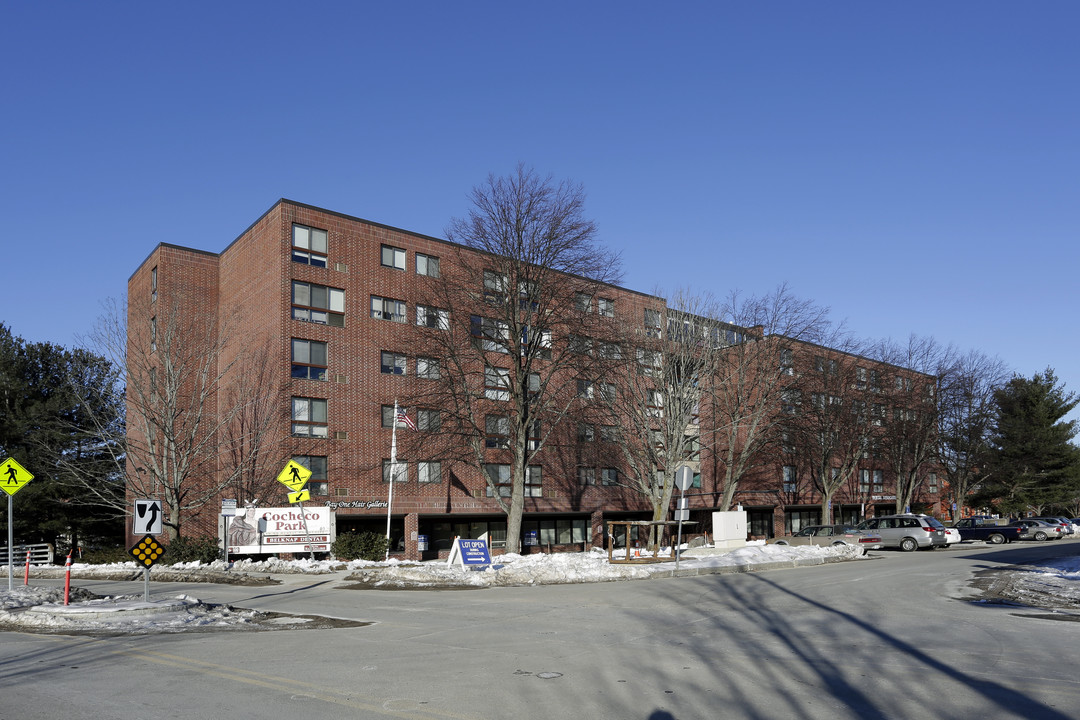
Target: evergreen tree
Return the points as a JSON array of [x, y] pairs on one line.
[[1034, 464]]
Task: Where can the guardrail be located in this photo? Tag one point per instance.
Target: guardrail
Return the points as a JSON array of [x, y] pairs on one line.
[[40, 554]]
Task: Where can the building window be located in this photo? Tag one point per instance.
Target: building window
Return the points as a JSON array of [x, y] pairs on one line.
[[787, 362], [388, 416], [495, 285], [499, 476], [392, 363], [427, 316], [609, 476], [585, 389], [539, 342], [790, 479], [860, 378], [607, 392], [609, 351], [308, 359], [879, 481], [586, 432], [427, 265], [655, 404], [652, 323], [429, 471], [533, 481], [153, 285], [427, 419], [393, 257], [583, 302], [586, 476], [605, 307], [609, 433], [864, 481], [387, 309], [308, 245], [318, 304], [496, 432], [496, 383], [493, 335], [580, 344], [153, 334], [789, 401], [532, 437], [931, 483], [309, 417], [317, 484], [401, 471], [427, 368]]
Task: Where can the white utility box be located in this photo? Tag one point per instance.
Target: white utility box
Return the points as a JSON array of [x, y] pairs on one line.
[[729, 529]]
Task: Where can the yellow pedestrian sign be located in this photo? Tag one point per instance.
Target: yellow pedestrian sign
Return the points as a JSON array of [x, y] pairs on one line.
[[14, 476], [299, 497], [294, 476]]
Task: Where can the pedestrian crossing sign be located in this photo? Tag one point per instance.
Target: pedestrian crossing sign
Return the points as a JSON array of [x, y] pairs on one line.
[[13, 476]]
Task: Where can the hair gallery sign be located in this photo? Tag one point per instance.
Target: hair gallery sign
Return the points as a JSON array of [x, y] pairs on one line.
[[255, 531]]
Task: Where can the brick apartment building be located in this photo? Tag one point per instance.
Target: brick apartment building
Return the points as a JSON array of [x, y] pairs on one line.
[[337, 304]]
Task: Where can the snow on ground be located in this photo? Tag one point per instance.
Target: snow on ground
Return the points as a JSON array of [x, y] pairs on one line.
[[41, 609]]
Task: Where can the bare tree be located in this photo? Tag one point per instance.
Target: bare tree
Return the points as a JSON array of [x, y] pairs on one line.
[[752, 390], [176, 379], [903, 404], [829, 433], [660, 390], [502, 339]]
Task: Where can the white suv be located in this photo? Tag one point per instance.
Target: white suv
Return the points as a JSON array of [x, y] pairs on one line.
[[908, 532]]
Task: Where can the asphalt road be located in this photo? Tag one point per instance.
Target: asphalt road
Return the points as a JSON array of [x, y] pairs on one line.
[[899, 636]]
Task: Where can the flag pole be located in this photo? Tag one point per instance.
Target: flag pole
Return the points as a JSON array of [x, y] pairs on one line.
[[393, 474]]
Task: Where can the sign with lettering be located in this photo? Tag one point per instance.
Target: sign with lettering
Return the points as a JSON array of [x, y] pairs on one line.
[[470, 553], [254, 531]]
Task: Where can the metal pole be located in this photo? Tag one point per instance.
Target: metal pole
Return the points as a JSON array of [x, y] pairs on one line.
[[393, 474], [146, 584], [678, 545], [10, 544]]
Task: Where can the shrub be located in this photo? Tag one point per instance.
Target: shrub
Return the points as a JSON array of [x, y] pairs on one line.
[[99, 556], [192, 549], [359, 546]]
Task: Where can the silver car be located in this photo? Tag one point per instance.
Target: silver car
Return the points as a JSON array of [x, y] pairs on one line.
[[1038, 529], [908, 532], [832, 535]]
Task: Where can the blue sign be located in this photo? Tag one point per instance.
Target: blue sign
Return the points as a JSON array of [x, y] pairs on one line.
[[474, 552]]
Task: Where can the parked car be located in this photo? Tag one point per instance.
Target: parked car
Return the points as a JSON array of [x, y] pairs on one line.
[[1038, 530], [980, 528], [908, 532], [1066, 526], [952, 536], [832, 535]]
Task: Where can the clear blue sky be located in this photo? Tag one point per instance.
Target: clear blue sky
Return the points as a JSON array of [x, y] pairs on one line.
[[914, 166]]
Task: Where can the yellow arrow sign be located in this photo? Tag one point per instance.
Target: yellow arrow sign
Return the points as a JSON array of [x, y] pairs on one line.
[[13, 476], [299, 497], [294, 475]]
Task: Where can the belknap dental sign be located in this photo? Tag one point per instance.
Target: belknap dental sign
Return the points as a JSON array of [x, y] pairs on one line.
[[254, 531]]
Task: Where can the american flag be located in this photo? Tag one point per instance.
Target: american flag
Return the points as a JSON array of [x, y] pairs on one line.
[[403, 417]]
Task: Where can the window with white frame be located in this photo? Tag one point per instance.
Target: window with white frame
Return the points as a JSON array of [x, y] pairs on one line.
[[605, 307], [586, 476], [400, 469], [650, 361], [653, 322], [787, 362], [610, 433], [495, 285], [318, 304], [497, 432], [609, 476], [308, 359], [583, 302], [499, 476], [861, 375], [427, 368], [533, 436], [428, 419], [538, 342], [317, 484], [879, 480], [309, 245], [607, 391], [391, 363], [387, 309], [586, 432], [429, 471], [931, 483], [534, 476], [432, 317], [153, 334], [585, 389], [492, 335], [864, 481], [496, 383], [790, 478], [309, 418], [393, 257], [580, 344], [388, 416], [153, 284], [427, 265], [654, 404], [609, 350]]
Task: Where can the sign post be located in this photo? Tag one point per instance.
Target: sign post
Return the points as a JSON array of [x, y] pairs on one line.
[[13, 477], [684, 478], [295, 476]]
